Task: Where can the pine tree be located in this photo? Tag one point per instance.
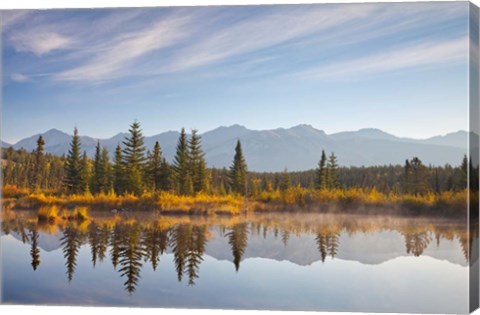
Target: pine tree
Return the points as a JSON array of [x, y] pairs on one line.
[[419, 177], [285, 181], [118, 172], [154, 167], [198, 169], [165, 171], [106, 167], [321, 178], [73, 171], [134, 159], [97, 170], [86, 174], [406, 177], [181, 166], [238, 172], [39, 176], [463, 178], [332, 169]]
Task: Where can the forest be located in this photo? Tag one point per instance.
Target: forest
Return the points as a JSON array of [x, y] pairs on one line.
[[141, 179]]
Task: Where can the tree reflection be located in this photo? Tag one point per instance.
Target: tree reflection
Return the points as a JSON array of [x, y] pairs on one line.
[[238, 239], [327, 243], [115, 241], [417, 241], [130, 256], [188, 245], [155, 242], [34, 251], [131, 243], [98, 238], [71, 242]]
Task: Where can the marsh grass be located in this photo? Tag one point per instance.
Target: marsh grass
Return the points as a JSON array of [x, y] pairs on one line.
[[293, 199]]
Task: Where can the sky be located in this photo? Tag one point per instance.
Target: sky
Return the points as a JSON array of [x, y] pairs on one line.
[[398, 67]]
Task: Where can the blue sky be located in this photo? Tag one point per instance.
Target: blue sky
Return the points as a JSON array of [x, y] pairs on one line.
[[402, 68]]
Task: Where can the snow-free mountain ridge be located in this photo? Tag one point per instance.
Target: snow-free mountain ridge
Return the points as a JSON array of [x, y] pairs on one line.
[[296, 148]]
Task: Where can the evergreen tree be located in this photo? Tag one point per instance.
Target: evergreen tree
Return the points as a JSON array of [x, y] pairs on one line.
[[86, 173], [198, 169], [154, 167], [238, 172], [332, 168], [134, 159], [118, 172], [181, 166], [165, 172], [106, 167], [418, 177], [463, 178], [73, 171], [285, 181], [39, 176], [406, 177], [321, 178], [97, 170]]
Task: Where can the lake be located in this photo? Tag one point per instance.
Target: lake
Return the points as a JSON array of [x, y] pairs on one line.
[[280, 261]]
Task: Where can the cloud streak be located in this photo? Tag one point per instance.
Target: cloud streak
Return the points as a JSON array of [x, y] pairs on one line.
[[419, 55], [131, 46], [40, 43], [265, 31], [106, 45]]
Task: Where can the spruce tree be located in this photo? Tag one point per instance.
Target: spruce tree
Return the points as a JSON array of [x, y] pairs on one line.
[[134, 159], [181, 166], [39, 176], [198, 169], [419, 177], [165, 171], [86, 176], [106, 167], [118, 172], [285, 181], [332, 172], [321, 178], [73, 171], [406, 177], [154, 167], [238, 172], [97, 170]]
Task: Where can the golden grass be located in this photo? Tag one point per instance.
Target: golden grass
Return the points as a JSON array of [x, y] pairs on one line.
[[294, 198]]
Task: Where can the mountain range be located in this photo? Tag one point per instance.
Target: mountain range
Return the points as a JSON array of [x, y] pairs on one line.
[[296, 148]]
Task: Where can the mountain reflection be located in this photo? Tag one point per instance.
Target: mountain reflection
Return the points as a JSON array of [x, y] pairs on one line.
[[134, 242]]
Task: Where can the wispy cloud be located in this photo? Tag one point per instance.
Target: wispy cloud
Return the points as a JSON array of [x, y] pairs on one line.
[[106, 64], [11, 18], [105, 45], [40, 43], [419, 55], [18, 77], [264, 31]]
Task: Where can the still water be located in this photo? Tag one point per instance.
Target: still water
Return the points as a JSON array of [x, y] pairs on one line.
[[262, 261]]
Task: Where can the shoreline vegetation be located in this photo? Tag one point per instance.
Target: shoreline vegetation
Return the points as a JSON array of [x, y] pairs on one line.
[[359, 201], [139, 180]]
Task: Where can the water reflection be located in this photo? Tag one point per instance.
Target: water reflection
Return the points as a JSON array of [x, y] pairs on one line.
[[131, 242]]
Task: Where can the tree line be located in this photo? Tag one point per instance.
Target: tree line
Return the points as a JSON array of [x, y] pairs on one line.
[[135, 170]]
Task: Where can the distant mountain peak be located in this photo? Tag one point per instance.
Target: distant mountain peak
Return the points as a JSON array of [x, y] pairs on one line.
[[234, 127]]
